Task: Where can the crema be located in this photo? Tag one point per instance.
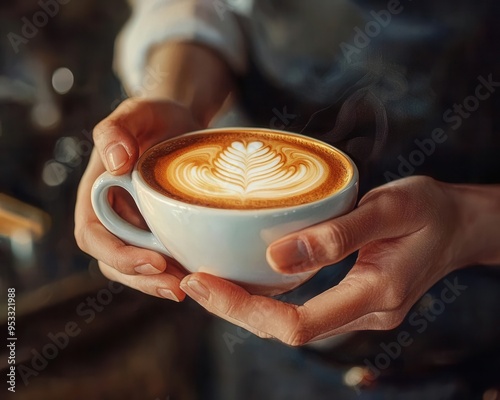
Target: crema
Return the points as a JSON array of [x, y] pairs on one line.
[[251, 169]]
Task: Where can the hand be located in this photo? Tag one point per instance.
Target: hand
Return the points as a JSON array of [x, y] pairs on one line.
[[197, 83], [119, 140], [409, 233]]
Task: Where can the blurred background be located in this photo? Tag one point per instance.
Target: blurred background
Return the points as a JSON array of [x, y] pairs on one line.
[[49, 105], [81, 337], [56, 83]]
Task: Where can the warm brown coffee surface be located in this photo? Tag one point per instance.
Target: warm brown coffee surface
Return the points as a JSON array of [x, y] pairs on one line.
[[244, 169]]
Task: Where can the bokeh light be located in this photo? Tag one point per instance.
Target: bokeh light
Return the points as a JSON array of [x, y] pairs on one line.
[[46, 115], [62, 80], [54, 173]]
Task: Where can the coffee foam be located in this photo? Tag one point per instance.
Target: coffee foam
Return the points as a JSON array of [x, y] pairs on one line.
[[244, 170]]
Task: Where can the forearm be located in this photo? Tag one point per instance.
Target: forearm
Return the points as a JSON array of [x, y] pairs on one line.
[[189, 74], [479, 207]]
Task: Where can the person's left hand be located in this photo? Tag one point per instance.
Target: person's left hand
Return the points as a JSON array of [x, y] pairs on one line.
[[409, 233]]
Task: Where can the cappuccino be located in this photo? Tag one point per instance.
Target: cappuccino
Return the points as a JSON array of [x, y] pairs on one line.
[[247, 169], [236, 190]]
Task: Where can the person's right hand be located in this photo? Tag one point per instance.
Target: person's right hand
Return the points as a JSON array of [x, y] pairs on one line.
[[119, 140]]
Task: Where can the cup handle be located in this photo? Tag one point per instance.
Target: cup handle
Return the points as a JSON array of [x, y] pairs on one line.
[[113, 222]]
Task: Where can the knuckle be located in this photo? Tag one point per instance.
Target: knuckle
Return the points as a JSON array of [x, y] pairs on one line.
[[114, 275], [117, 262], [300, 333], [134, 105], [129, 103], [133, 101], [396, 203], [421, 180], [115, 255], [386, 294], [232, 305], [105, 270], [392, 302], [338, 239], [326, 244], [394, 297], [389, 320], [102, 128], [407, 194], [395, 195], [396, 198], [80, 238], [228, 307]]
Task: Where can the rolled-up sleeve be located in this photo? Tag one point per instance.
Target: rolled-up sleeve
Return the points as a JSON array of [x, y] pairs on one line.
[[207, 22]]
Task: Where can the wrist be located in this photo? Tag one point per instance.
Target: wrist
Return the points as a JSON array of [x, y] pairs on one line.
[[190, 75], [479, 223]]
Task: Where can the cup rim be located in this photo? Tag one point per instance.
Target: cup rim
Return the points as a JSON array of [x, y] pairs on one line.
[[353, 180]]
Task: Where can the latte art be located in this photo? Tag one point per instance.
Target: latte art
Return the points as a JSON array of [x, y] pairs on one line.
[[246, 171]]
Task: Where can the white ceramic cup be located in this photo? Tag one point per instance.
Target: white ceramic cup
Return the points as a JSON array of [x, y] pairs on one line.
[[227, 243]]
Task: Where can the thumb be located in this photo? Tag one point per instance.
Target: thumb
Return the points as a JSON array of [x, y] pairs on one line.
[[378, 216], [115, 137], [135, 126]]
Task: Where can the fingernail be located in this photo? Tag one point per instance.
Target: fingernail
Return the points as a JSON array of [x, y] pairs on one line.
[[196, 289], [116, 156], [147, 269], [289, 255], [167, 294]]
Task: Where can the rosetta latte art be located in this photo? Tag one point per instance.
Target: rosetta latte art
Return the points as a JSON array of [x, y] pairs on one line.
[[247, 170]]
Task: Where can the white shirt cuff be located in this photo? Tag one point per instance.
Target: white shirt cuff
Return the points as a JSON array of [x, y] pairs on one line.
[[157, 21]]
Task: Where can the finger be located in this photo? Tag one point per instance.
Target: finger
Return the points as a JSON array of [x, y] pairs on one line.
[[93, 238], [136, 125], [163, 285], [294, 325], [267, 317], [102, 245], [196, 286], [387, 279], [125, 206], [360, 302], [372, 321], [378, 216], [393, 304]]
